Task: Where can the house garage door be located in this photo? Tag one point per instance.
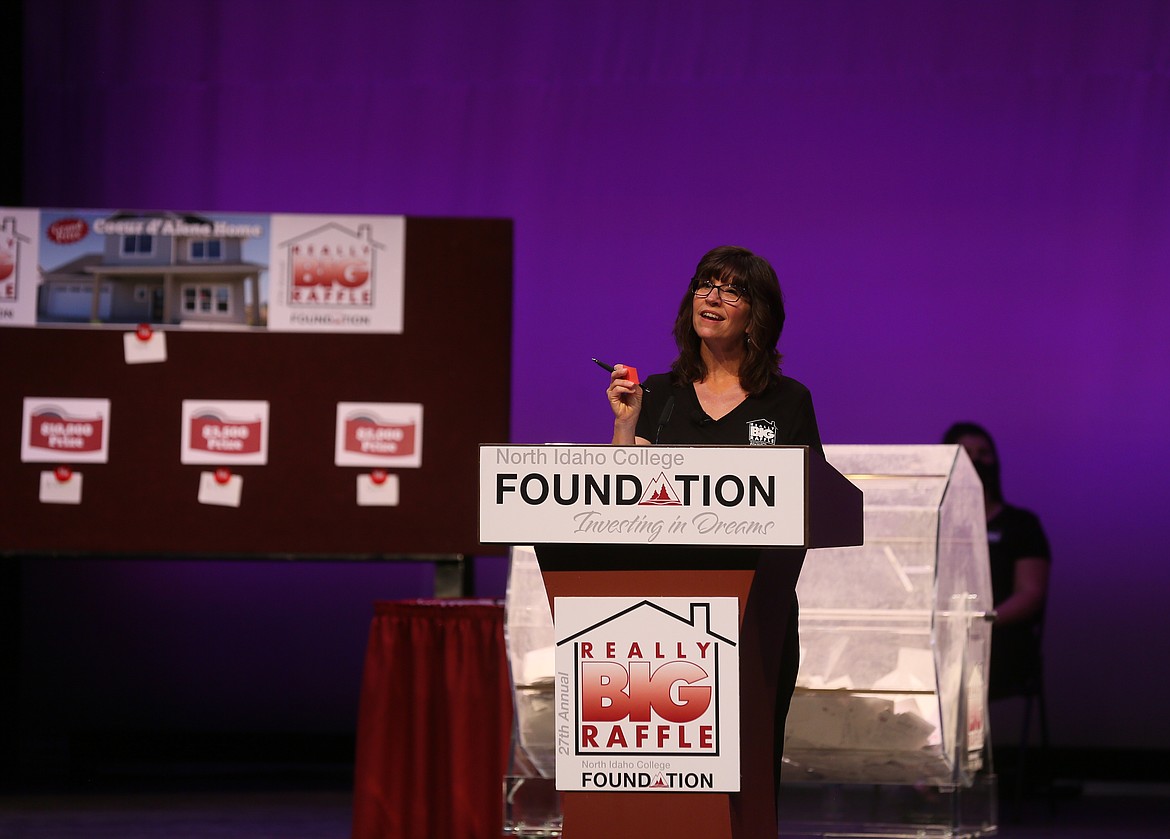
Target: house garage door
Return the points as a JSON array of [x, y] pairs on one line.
[[74, 301]]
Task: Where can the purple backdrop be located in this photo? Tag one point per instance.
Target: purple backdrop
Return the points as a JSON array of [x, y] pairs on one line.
[[968, 205]]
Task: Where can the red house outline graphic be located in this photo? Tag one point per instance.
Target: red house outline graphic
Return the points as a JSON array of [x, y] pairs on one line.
[[362, 239], [699, 623]]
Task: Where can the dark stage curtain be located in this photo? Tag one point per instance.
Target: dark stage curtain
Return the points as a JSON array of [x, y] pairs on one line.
[[434, 725]]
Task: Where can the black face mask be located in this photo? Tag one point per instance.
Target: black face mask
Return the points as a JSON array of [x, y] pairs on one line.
[[989, 474]]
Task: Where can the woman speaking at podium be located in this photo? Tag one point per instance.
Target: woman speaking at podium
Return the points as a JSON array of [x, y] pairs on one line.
[[726, 388]]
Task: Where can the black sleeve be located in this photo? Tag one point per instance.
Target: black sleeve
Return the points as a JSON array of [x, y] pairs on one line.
[[1030, 538], [803, 430]]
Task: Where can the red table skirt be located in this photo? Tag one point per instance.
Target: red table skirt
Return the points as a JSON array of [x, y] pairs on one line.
[[434, 722]]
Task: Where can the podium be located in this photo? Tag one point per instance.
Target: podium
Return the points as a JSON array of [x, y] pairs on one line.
[[618, 530]]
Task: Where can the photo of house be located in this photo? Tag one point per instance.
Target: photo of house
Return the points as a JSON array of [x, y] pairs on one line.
[[153, 267]]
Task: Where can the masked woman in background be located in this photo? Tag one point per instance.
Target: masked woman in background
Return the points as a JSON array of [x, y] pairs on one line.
[[1020, 561]]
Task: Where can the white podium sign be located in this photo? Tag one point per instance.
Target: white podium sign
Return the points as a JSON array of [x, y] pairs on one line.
[[647, 694], [744, 496]]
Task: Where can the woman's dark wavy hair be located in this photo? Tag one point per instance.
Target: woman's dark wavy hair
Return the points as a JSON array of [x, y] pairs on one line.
[[990, 476], [968, 429], [753, 274]]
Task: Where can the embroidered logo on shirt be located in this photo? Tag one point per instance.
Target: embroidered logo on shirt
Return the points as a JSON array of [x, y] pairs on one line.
[[761, 432]]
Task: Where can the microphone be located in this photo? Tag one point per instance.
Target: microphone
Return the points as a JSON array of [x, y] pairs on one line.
[[667, 410], [700, 418]]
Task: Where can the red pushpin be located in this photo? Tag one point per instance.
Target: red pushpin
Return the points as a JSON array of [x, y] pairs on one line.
[[63, 473], [223, 475], [144, 332], [378, 476]]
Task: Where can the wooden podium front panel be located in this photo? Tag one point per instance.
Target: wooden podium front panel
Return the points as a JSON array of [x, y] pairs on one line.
[[765, 594], [736, 583]]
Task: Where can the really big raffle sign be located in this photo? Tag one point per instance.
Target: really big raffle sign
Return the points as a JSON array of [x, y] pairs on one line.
[[647, 694]]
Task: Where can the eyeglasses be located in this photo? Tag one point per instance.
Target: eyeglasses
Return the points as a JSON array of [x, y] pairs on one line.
[[730, 294]]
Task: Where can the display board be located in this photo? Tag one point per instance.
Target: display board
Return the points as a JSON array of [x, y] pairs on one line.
[[448, 367]]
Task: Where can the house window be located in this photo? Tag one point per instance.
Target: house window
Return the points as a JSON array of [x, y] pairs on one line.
[[207, 299], [207, 250], [137, 244]]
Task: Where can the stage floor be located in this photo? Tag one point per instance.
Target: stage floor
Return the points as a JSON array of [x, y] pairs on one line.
[[249, 808]]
